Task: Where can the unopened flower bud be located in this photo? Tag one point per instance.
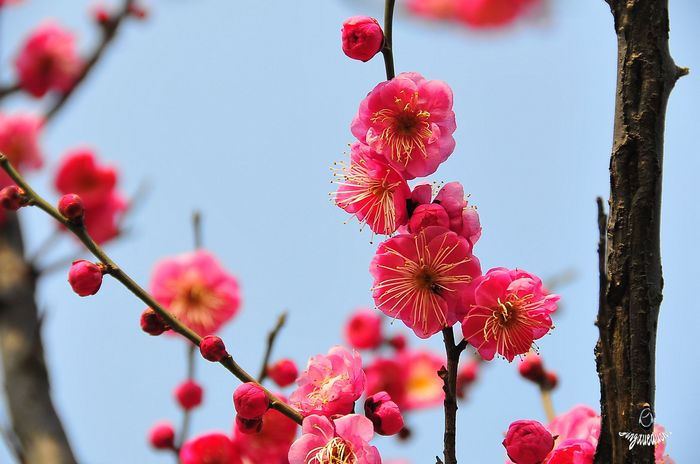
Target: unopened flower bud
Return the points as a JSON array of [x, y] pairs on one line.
[[284, 372], [12, 198], [85, 277], [152, 323], [249, 426], [551, 380], [398, 342], [364, 330], [162, 436], [384, 414], [138, 11], [362, 37], [466, 375], [528, 442], [71, 206], [189, 394], [212, 348], [428, 215], [100, 14], [250, 401], [532, 369]]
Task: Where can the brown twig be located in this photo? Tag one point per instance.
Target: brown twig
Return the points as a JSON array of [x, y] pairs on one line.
[[116, 272], [109, 32], [449, 377], [387, 50], [629, 305], [271, 337]]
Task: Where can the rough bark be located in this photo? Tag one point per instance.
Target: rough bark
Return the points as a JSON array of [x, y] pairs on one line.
[[34, 419], [631, 289]]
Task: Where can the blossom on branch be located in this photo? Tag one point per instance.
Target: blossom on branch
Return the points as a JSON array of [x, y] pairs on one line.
[[342, 441], [507, 311], [423, 279], [408, 120], [197, 290], [330, 384], [19, 141], [48, 61]]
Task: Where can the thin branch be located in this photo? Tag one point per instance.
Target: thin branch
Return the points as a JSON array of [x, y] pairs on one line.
[[197, 229], [109, 32], [387, 50], [449, 377], [546, 395], [272, 336], [187, 413], [116, 272], [9, 90]]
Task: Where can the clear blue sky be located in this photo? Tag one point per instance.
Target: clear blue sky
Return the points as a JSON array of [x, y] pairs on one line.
[[238, 108]]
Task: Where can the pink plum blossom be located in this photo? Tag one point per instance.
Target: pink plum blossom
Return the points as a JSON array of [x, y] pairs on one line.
[[409, 120], [423, 279], [48, 60], [364, 329], [210, 448], [342, 441], [197, 290], [507, 311], [330, 384], [528, 442], [19, 141], [490, 13], [102, 220], [432, 9], [372, 191], [362, 37]]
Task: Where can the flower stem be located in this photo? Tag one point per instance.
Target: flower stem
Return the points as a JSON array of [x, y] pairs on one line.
[[116, 272], [449, 377], [546, 395], [187, 414], [271, 337], [387, 50]]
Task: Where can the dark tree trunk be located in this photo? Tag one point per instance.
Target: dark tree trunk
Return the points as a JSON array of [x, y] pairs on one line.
[[34, 420], [632, 283]]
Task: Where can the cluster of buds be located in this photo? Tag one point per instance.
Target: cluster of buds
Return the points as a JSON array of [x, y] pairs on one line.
[[251, 402]]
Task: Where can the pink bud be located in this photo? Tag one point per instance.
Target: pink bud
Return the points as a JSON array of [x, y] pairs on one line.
[[284, 372], [532, 369], [384, 414], [85, 277], [364, 330], [249, 426], [101, 14], [466, 376], [188, 395], [398, 342], [552, 380], [428, 215], [152, 323], [528, 442], [162, 436], [71, 206], [12, 198], [212, 348], [362, 37], [138, 11], [250, 401]]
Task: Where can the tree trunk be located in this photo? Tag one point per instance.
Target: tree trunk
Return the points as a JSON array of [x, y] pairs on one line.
[[632, 284], [34, 420]]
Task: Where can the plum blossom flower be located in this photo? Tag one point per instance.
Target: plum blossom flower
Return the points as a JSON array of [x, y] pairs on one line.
[[19, 141], [210, 448], [409, 120], [270, 445], [448, 209], [410, 378], [490, 13], [507, 311], [342, 441], [330, 384], [432, 9], [102, 220], [48, 60], [423, 279], [80, 172], [372, 191], [197, 290]]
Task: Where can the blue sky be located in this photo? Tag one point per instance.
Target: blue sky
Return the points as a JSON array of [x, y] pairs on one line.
[[239, 108]]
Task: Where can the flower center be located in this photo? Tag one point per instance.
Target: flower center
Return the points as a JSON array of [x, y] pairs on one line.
[[405, 128], [336, 451], [427, 279]]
